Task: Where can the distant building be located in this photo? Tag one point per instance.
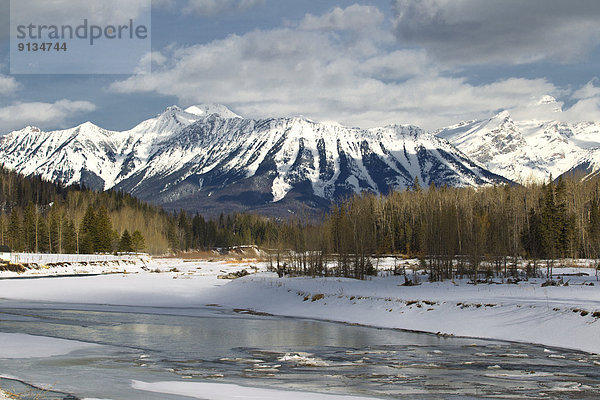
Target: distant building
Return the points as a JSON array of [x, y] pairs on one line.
[[4, 253]]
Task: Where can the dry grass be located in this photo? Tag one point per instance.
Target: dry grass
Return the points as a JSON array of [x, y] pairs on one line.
[[195, 255], [234, 257], [4, 394], [317, 297], [18, 268], [243, 260]]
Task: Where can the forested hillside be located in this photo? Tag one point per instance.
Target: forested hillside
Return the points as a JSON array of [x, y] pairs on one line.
[[453, 230], [456, 230], [39, 216]]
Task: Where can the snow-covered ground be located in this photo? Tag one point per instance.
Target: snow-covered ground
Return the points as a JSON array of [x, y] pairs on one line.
[[19, 345], [563, 316], [527, 312], [220, 391], [41, 265]]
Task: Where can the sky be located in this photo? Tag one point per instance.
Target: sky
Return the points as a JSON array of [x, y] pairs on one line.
[[430, 63]]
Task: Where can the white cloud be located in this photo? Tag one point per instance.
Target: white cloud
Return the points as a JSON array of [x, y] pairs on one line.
[[213, 7], [8, 85], [505, 32], [58, 12], [320, 74], [354, 17], [18, 115], [584, 110], [587, 105], [544, 109], [397, 65], [589, 90]]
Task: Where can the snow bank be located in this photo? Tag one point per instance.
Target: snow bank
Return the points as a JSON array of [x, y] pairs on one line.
[[201, 390], [19, 345], [553, 316], [37, 265], [562, 316], [43, 258]]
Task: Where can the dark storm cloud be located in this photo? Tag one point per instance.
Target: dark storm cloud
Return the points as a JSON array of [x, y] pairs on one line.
[[506, 32]]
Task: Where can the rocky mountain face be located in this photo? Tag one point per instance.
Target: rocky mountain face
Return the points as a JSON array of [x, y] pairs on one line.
[[210, 160], [521, 150]]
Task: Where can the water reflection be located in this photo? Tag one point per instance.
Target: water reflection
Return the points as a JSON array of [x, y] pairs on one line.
[[217, 344]]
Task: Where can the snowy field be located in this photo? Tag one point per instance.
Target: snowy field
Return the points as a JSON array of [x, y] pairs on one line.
[[561, 316]]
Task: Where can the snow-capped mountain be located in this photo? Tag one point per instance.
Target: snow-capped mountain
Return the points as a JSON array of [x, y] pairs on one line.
[[208, 159], [525, 149], [587, 165], [88, 154]]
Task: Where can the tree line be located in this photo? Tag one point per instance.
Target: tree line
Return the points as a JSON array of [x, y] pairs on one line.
[[40, 216], [454, 231]]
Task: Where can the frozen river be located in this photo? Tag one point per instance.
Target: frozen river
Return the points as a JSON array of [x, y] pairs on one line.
[[223, 346]]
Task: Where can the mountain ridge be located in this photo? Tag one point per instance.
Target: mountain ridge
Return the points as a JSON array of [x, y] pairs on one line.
[[207, 158], [521, 149]]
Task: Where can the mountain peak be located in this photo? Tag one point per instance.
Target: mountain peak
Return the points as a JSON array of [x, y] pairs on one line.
[[205, 159], [173, 108], [550, 104], [88, 125], [211, 108], [503, 115], [31, 128], [547, 100]]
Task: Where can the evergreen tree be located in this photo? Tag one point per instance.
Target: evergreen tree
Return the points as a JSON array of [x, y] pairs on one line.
[[594, 228], [30, 228], [15, 231], [43, 245], [54, 232], [565, 222], [125, 244], [199, 231], [87, 232], [532, 237], [549, 223], [416, 185], [185, 231], [102, 232], [69, 237], [138, 242]]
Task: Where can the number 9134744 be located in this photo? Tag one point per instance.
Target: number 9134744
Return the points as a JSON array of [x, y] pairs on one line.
[[43, 46]]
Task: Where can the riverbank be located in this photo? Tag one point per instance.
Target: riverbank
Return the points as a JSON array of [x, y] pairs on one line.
[[561, 316]]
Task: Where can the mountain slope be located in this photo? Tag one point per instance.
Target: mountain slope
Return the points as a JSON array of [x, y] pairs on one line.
[[520, 150], [88, 154], [208, 159]]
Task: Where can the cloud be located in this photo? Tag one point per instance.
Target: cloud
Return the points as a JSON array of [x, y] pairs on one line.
[[506, 32], [321, 74], [354, 17], [214, 7], [18, 115], [588, 90], [587, 104], [8, 85], [584, 110], [4, 20], [58, 12]]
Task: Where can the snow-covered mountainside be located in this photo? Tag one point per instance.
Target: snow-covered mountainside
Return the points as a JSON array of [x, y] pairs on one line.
[[208, 159], [526, 149]]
